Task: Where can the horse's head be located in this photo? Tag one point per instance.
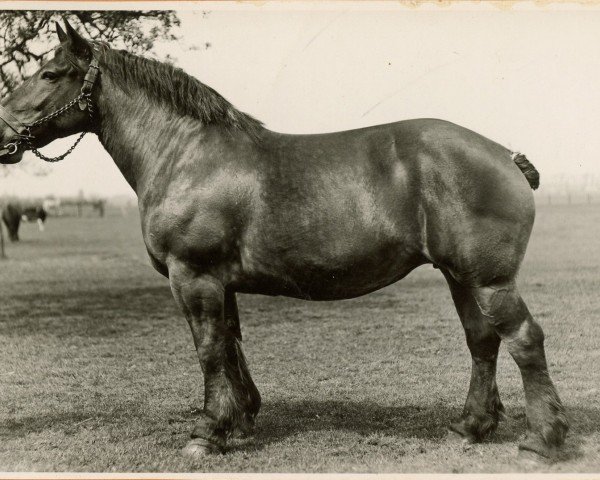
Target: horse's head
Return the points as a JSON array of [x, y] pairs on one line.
[[27, 115]]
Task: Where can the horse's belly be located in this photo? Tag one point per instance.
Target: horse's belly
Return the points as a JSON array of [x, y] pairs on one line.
[[359, 279], [331, 271]]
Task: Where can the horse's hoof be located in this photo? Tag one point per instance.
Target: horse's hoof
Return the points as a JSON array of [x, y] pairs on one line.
[[457, 436], [532, 450], [199, 448], [457, 432]]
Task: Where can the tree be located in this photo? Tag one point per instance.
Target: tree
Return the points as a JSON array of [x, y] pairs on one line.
[[27, 37]]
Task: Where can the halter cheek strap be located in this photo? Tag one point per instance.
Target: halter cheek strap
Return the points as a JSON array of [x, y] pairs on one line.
[[13, 122]]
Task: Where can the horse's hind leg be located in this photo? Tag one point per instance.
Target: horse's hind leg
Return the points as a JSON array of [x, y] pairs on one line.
[[231, 400], [483, 408], [505, 310]]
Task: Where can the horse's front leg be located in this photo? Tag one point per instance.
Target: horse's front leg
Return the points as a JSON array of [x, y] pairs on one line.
[[239, 367], [230, 398]]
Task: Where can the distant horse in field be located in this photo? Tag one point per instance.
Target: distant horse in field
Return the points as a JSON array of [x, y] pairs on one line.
[[35, 213], [11, 216], [13, 213], [229, 207]]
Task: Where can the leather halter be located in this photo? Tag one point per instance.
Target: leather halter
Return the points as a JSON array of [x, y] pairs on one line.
[[22, 130]]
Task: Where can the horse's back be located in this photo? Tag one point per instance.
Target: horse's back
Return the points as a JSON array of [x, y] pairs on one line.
[[427, 161]]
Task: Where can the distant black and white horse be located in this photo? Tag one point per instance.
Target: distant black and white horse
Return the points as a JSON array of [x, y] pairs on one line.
[[12, 214]]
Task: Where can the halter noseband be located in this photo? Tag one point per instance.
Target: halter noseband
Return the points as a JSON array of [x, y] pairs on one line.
[[23, 130]]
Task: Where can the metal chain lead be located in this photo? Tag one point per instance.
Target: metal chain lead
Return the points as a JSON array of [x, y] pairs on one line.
[[41, 156], [53, 115]]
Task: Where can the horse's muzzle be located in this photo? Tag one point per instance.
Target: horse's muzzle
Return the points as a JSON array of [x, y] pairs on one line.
[[11, 147], [7, 156]]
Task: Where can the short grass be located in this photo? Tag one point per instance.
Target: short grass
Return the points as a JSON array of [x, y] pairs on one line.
[[98, 371]]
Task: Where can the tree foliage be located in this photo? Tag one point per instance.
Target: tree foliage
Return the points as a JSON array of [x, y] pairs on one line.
[[27, 37]]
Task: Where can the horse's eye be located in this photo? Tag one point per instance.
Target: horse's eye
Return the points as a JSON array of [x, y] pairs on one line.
[[48, 75]]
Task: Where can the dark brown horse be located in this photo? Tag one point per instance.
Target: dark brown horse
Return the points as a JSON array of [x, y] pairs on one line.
[[11, 216], [13, 213], [228, 206]]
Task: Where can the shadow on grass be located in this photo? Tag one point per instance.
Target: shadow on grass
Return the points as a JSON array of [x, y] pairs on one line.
[[66, 421], [584, 421], [102, 312], [281, 420], [277, 421]]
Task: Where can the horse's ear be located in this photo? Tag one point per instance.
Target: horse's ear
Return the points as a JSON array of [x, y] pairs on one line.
[[62, 36], [77, 44]]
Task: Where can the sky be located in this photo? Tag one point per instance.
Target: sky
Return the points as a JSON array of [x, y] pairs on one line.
[[524, 77]]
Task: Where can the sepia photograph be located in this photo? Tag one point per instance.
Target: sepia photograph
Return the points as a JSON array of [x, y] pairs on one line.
[[299, 237]]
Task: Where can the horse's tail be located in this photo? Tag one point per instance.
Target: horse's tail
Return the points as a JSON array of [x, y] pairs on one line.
[[530, 172]]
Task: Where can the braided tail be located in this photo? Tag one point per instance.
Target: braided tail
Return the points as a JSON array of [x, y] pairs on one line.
[[531, 174]]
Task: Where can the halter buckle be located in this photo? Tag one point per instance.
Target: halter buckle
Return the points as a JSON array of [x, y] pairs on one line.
[[83, 102]]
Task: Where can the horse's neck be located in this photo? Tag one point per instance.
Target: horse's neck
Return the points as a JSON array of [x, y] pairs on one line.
[[141, 136]]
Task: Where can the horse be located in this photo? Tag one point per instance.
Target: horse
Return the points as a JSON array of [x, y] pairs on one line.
[[14, 213], [35, 213], [11, 216], [230, 207]]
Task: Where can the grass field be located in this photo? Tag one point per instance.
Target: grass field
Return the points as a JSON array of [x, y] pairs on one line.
[[98, 370]]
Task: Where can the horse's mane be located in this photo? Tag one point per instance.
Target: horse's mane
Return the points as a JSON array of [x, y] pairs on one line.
[[176, 89]]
